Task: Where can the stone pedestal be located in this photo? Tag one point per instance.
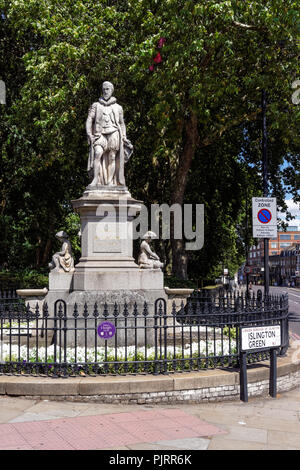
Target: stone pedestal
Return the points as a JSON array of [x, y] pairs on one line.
[[106, 238], [61, 280]]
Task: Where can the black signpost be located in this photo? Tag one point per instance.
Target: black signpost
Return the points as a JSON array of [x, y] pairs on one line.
[[265, 185]]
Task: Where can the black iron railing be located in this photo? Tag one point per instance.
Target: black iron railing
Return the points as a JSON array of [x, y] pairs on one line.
[[10, 298], [64, 340]]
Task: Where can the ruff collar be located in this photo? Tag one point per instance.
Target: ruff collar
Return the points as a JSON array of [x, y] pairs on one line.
[[112, 100]]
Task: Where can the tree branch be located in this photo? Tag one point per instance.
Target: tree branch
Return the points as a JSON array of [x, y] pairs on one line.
[[219, 132], [247, 26]]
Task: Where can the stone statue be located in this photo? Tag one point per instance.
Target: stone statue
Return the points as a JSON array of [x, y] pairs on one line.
[[63, 259], [147, 258], [109, 146]]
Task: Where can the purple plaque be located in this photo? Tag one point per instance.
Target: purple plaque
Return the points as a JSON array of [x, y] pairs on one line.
[[106, 330]]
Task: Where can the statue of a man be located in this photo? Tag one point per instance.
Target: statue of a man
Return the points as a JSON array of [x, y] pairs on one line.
[[109, 147]]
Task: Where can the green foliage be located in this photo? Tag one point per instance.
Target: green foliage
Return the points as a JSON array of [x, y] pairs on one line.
[[174, 282], [230, 332], [24, 279], [216, 59]]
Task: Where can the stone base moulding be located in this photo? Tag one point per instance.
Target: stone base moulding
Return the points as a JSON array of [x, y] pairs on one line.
[[192, 387]]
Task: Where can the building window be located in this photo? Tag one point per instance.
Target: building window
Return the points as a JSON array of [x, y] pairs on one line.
[[296, 237], [284, 245], [273, 245], [285, 237]]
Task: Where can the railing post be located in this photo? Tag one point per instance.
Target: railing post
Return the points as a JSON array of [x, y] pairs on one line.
[[273, 373], [243, 377]]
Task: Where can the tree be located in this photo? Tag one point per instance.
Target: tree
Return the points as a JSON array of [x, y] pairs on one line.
[[216, 59]]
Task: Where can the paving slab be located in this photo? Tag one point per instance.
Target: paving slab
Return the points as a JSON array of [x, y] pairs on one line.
[[11, 408], [282, 414], [232, 444], [149, 446], [42, 410], [283, 439], [282, 403], [195, 443], [272, 423], [248, 434]]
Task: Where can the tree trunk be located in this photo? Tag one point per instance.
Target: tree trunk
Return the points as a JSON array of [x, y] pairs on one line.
[[38, 252], [46, 255], [179, 255]]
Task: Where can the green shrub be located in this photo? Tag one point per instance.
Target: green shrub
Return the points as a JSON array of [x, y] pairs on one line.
[[24, 279]]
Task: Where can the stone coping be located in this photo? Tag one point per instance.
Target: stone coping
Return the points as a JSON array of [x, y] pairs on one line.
[[32, 292], [136, 385], [178, 291]]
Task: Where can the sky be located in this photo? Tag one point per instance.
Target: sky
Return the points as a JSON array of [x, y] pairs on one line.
[[294, 209]]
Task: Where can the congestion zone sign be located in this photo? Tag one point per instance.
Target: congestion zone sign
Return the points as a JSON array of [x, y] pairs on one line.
[[264, 217]]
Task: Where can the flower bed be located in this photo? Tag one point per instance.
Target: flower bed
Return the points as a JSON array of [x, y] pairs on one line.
[[54, 359]]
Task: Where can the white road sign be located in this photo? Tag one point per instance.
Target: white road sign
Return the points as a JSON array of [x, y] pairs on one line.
[[264, 217], [260, 337]]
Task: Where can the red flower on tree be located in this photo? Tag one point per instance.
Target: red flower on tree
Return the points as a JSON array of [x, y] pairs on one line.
[[158, 58]]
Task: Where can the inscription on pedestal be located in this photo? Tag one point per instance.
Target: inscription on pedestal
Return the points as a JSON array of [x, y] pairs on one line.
[[108, 237], [103, 246]]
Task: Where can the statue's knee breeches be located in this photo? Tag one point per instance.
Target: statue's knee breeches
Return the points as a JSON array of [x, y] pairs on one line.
[[113, 141], [100, 144], [98, 152]]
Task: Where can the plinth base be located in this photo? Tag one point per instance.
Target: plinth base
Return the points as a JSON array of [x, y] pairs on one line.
[[114, 280], [102, 192], [130, 311]]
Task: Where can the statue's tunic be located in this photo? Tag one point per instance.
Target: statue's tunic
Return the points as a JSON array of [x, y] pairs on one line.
[[147, 258], [66, 260], [105, 122]]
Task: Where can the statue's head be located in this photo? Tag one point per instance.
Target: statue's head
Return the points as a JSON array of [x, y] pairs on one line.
[[149, 236], [107, 90], [61, 235]]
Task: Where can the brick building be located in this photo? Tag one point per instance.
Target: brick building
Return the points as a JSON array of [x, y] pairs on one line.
[[283, 258]]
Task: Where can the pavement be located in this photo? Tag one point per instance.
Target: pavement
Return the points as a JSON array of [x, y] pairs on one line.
[[259, 424]]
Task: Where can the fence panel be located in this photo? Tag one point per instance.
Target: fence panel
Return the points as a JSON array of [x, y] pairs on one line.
[[60, 341]]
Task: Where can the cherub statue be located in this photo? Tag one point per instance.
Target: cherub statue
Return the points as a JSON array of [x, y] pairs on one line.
[[63, 259], [147, 258]]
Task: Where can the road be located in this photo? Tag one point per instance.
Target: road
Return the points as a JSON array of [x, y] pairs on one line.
[[294, 305]]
